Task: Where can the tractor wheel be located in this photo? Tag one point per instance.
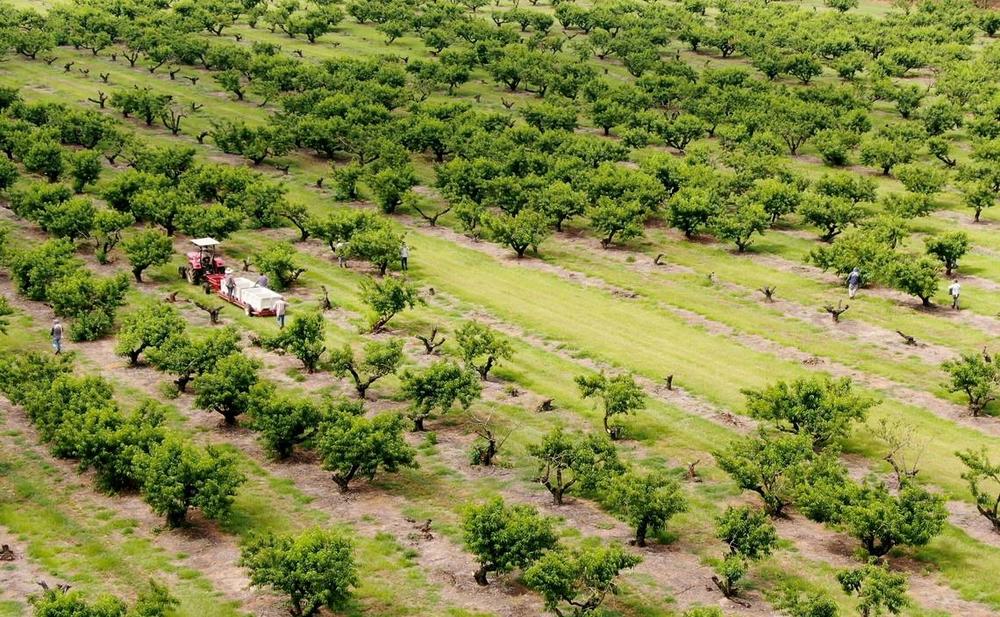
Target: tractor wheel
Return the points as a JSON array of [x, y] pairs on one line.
[[248, 311], [191, 276]]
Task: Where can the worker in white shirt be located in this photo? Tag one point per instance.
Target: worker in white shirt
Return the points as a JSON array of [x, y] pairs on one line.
[[279, 311], [954, 290]]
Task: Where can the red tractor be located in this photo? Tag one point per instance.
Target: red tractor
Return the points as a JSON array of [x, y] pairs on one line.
[[204, 264]]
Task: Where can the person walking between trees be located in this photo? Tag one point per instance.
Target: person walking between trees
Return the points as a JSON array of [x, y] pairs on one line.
[[279, 311], [56, 332], [853, 282], [341, 257], [954, 290], [404, 256]]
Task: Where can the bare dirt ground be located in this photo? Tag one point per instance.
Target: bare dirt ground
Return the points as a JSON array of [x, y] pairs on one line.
[[19, 578], [965, 516]]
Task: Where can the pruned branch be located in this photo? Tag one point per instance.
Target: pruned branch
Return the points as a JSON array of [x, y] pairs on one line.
[[836, 312], [431, 343], [213, 311]]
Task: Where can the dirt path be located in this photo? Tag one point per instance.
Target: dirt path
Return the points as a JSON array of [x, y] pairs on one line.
[[964, 515]]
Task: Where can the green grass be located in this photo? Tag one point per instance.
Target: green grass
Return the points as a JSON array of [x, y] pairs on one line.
[[644, 335]]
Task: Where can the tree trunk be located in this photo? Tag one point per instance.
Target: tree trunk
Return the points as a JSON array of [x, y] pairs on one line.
[[344, 481], [485, 369], [176, 518], [182, 382], [480, 576], [133, 355], [418, 423], [640, 533], [230, 417], [137, 273]]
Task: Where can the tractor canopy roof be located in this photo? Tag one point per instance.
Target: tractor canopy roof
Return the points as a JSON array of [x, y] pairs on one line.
[[204, 242]]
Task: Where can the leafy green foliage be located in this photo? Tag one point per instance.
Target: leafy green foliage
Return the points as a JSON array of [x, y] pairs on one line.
[[916, 277], [750, 536], [304, 338], [690, 209], [619, 395], [283, 421], [762, 464], [797, 604], [526, 229], [564, 461], [226, 387], [820, 407], [145, 248], [974, 376], [353, 445], [482, 347], [617, 220], [879, 591], [647, 501], [948, 248], [381, 358], [505, 537], [187, 357], [738, 225], [882, 521], [149, 326], [983, 477], [278, 261], [314, 569], [178, 476], [437, 388], [155, 601], [90, 301], [577, 582], [6, 310], [387, 298], [85, 168]]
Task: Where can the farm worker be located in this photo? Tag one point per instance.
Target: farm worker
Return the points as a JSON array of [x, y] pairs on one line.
[[230, 283], [262, 280], [954, 290], [279, 311], [853, 282], [56, 332], [341, 257], [404, 255]]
